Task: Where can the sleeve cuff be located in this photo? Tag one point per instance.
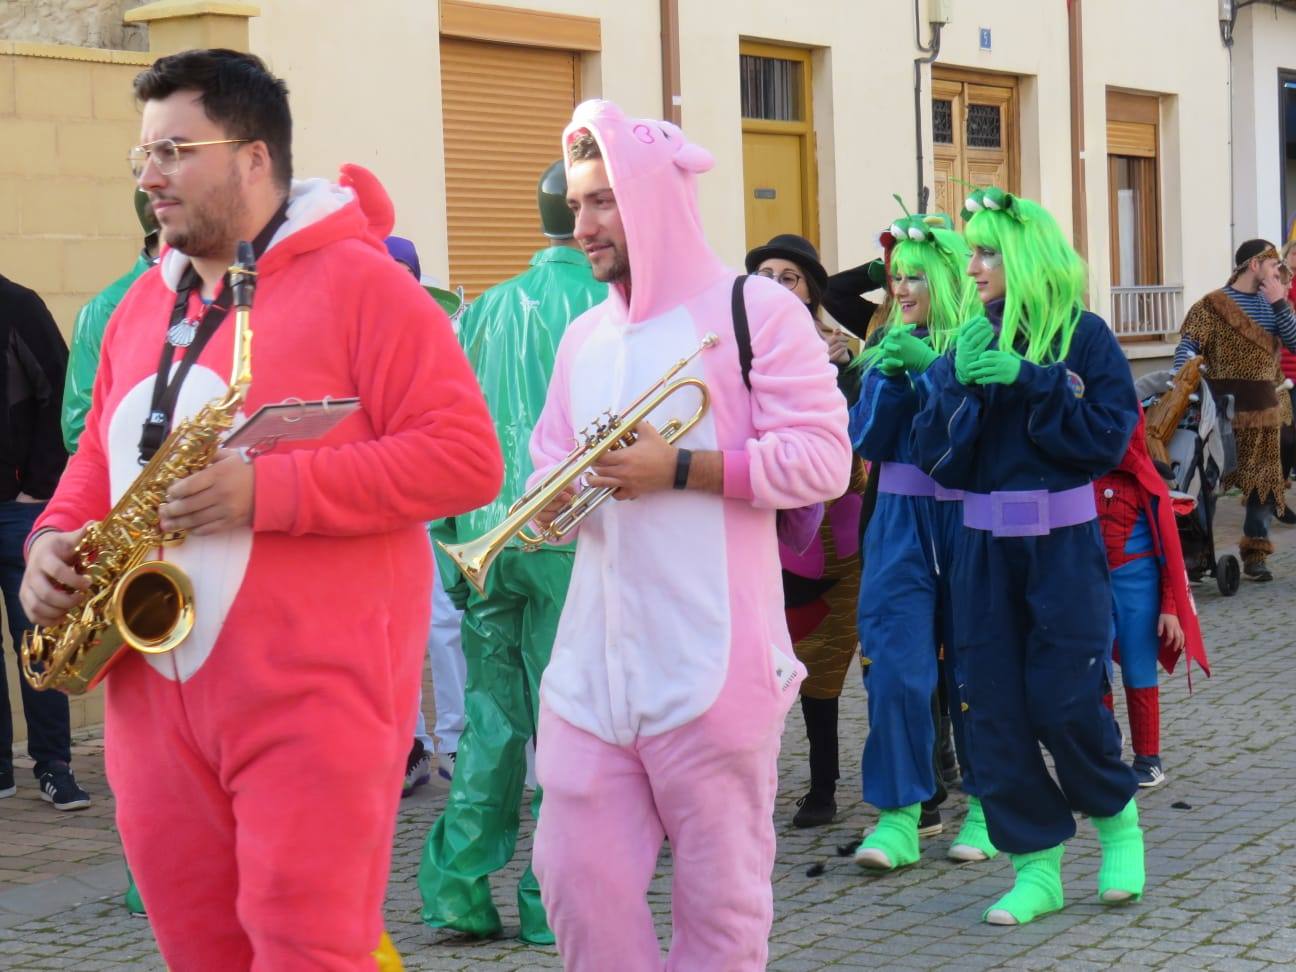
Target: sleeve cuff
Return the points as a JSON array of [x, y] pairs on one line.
[[737, 474], [27, 544], [1035, 379], [274, 494]]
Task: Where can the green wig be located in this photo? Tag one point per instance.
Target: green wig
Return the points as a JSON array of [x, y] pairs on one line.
[[928, 245], [1044, 278], [943, 261]]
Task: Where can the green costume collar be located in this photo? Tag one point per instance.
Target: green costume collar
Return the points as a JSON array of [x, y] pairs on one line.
[[560, 254]]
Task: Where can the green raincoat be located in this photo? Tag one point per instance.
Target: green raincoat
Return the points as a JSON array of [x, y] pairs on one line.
[[511, 335], [83, 360]]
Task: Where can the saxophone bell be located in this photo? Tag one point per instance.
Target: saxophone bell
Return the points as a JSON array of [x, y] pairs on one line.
[[135, 602]]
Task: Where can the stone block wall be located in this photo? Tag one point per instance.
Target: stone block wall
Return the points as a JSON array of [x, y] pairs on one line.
[[81, 23]]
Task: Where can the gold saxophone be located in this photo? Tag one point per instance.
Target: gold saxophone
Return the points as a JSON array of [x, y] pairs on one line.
[[134, 601]]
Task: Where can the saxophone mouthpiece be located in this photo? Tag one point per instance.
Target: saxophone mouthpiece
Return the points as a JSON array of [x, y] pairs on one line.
[[243, 275]]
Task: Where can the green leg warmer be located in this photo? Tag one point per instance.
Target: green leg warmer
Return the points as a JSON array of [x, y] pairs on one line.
[[973, 840], [507, 637], [134, 903], [893, 842], [1121, 877], [1036, 892]]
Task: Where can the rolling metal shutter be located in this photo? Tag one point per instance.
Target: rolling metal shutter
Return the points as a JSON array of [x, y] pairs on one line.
[[504, 110]]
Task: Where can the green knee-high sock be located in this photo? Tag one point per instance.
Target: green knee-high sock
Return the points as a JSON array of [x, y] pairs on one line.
[[973, 841], [1121, 876], [1036, 892], [893, 842], [134, 903]]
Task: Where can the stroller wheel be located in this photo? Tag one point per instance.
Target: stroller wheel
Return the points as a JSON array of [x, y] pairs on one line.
[[1228, 574]]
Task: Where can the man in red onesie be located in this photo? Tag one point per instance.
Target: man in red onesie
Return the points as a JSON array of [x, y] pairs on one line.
[[257, 768]]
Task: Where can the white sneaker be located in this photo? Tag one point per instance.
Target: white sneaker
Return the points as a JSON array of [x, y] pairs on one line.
[[446, 765]]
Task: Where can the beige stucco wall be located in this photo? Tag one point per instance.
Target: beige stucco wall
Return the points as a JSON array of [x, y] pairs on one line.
[[1194, 163], [856, 129], [82, 23], [1030, 41], [365, 84], [1264, 42]]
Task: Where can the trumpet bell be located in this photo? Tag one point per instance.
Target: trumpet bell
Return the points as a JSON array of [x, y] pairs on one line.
[[473, 558]]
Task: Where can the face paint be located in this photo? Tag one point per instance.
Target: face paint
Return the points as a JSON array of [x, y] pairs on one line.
[[915, 283], [989, 258]]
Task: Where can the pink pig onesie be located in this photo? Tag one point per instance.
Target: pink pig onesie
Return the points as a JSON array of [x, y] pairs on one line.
[[257, 768], [672, 671]]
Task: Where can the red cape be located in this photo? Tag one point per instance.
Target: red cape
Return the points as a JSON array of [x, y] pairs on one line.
[[1165, 540]]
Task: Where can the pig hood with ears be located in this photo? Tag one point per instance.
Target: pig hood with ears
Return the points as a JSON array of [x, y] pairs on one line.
[[653, 171]]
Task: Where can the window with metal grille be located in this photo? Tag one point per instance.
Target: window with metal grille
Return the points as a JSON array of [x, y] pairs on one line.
[[771, 88], [984, 126], [943, 121]]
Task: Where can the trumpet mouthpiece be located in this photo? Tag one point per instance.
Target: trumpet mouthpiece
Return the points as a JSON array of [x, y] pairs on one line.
[[710, 340]]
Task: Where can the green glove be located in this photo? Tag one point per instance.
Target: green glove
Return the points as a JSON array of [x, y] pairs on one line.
[[890, 365], [996, 368], [914, 353], [973, 339]]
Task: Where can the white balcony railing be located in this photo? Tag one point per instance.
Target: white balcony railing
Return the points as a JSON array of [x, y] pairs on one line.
[[1146, 311]]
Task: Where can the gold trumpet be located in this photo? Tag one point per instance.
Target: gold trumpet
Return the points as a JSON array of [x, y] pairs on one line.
[[614, 431]]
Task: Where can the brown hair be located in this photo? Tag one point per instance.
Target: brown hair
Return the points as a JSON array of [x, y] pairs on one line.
[[582, 147]]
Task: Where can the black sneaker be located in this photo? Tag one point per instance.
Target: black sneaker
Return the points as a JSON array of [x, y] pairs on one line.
[[1287, 517], [59, 787], [929, 822], [815, 810], [1257, 571], [7, 787]]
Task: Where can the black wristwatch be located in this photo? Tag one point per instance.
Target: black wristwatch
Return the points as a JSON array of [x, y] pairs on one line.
[[682, 459]]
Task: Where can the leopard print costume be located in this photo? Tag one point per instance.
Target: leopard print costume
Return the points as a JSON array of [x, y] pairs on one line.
[[1242, 359]]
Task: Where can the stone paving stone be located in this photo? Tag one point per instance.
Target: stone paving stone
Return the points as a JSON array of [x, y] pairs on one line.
[[1219, 873]]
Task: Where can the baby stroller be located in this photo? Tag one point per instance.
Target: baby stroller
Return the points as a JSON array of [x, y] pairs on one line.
[[1202, 451]]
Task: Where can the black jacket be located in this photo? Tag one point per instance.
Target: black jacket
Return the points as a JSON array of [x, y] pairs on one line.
[[32, 456], [843, 301]]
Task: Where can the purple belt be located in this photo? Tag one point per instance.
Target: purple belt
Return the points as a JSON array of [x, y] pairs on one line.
[[1028, 512], [902, 479]]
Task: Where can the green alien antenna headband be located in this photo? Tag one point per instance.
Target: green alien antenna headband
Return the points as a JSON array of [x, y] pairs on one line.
[[993, 199]]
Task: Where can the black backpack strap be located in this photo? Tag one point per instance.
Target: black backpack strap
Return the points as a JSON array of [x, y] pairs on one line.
[[742, 333]]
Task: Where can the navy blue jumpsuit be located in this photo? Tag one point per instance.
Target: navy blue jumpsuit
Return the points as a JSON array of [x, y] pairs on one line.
[[1032, 614], [904, 609]]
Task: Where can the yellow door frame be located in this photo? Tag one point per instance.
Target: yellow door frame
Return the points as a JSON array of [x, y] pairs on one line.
[[803, 129]]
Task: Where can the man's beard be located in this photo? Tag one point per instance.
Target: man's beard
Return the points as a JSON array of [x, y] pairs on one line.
[[212, 223], [618, 271]]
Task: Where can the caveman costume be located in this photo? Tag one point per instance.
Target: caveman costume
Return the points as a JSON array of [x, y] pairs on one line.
[[905, 614], [672, 671], [1022, 421], [1243, 357], [1148, 580], [257, 768]]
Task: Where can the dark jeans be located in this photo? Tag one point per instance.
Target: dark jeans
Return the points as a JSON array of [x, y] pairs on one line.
[[1258, 517], [49, 731]]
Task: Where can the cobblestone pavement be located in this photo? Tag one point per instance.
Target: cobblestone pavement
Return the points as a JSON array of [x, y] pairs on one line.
[[1222, 890]]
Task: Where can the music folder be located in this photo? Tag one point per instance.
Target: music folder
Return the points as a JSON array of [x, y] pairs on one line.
[[292, 420]]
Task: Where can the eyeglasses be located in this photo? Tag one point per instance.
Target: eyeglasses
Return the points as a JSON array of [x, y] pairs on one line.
[[165, 153], [788, 278]]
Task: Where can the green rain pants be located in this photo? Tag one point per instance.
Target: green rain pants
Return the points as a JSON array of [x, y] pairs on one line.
[[507, 637]]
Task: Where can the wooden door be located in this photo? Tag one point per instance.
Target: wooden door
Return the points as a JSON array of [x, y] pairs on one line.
[[974, 135], [772, 166]]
